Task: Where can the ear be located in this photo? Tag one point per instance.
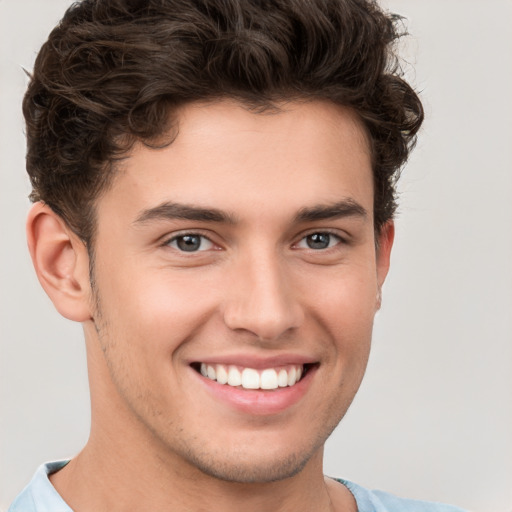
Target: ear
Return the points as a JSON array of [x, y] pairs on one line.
[[61, 262], [385, 240]]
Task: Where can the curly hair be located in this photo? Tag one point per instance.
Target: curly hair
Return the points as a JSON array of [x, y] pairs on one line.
[[113, 71]]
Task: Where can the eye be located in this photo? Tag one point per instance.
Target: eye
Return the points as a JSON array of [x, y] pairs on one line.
[[190, 243], [319, 241]]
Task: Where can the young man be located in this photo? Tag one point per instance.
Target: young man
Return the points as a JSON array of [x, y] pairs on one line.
[[213, 187]]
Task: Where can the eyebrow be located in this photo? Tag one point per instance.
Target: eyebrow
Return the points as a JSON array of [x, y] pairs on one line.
[[170, 211], [340, 209]]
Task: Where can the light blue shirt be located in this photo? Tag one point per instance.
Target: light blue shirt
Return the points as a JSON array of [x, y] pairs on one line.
[[41, 496]]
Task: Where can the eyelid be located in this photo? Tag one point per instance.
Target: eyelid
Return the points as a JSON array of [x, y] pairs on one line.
[[343, 238], [167, 239]]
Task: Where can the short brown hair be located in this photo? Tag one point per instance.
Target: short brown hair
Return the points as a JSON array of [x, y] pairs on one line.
[[112, 71]]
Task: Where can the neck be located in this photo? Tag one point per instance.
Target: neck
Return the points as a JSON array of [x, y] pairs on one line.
[[125, 468]]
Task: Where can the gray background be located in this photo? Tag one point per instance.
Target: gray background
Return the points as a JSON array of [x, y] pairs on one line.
[[434, 416]]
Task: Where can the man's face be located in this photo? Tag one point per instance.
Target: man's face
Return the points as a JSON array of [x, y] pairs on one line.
[[244, 249]]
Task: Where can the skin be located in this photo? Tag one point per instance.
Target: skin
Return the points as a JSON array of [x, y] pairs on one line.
[[255, 289]]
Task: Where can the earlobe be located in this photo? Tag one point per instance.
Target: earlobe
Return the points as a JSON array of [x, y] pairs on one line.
[[61, 262]]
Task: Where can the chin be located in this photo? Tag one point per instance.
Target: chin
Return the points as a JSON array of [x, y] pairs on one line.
[[247, 470], [261, 459]]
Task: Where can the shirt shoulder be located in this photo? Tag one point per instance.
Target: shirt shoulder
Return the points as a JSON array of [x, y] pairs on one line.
[[40, 495], [379, 501]]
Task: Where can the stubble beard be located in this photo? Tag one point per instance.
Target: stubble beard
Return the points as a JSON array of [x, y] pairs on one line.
[[232, 465]]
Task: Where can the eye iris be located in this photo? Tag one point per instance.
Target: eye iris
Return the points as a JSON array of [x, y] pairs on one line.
[[189, 243], [318, 240]]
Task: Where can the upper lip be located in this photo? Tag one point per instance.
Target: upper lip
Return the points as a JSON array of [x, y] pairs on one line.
[[256, 362]]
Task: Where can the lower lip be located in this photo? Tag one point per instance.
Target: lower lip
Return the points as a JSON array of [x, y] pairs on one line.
[[257, 401]]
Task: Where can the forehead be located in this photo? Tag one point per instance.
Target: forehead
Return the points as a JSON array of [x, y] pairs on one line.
[[228, 157]]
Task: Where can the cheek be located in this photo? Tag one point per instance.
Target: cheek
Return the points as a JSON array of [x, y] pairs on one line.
[[346, 309], [155, 310], [346, 295]]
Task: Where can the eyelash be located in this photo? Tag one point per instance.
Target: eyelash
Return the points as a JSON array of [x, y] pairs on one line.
[[330, 233], [203, 238], [178, 236]]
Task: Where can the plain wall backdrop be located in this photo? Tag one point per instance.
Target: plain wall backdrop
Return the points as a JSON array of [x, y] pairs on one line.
[[433, 418]]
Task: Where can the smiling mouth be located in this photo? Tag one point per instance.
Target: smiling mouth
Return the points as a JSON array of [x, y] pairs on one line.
[[250, 378]]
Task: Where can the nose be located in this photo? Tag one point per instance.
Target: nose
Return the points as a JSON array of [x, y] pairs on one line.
[[261, 299]]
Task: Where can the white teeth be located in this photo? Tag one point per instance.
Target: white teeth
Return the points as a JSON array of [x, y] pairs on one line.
[[210, 371], [234, 376], [222, 374], [292, 376], [282, 378], [249, 378], [268, 379]]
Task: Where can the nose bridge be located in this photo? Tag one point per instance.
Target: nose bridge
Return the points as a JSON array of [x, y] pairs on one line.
[[261, 297]]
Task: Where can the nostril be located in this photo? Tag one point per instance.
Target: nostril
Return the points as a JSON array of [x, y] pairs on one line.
[[266, 309]]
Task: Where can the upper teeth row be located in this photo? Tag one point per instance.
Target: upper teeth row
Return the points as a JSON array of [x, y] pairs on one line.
[[249, 378]]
